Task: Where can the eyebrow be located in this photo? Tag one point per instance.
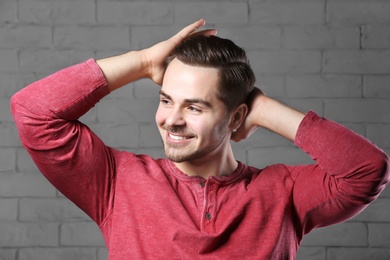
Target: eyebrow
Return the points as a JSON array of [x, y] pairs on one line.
[[189, 100]]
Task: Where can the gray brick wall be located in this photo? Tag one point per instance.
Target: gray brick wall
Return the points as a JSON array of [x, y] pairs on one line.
[[332, 56]]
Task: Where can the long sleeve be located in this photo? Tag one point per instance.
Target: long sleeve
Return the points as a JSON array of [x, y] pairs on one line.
[[349, 174], [70, 156]]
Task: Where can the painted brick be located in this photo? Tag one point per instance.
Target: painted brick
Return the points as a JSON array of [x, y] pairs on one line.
[[8, 11], [312, 253], [57, 253], [262, 157], [357, 62], [9, 135], [358, 13], [263, 138], [271, 12], [49, 210], [149, 136], [146, 36], [271, 85], [81, 234], [7, 160], [377, 86], [117, 135], [305, 104], [145, 88], [376, 37], [51, 60], [345, 234], [102, 254], [358, 110], [57, 12], [379, 134], [285, 61], [379, 234], [253, 38], [24, 163], [15, 234], [9, 210], [127, 111], [8, 60], [25, 185], [91, 37], [386, 192], [10, 83], [311, 86], [212, 12], [377, 211], [7, 254], [5, 115], [25, 36], [149, 13], [321, 37], [357, 253]]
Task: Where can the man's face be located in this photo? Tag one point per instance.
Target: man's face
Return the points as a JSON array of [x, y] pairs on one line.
[[192, 122]]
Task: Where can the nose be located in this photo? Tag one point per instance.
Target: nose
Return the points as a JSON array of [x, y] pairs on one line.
[[175, 118]]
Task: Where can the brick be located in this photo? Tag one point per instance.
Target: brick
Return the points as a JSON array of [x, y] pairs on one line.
[[149, 136], [312, 253], [253, 38], [340, 235], [127, 111], [102, 254], [57, 12], [212, 12], [57, 253], [378, 235], [15, 234], [386, 192], [24, 163], [8, 11], [25, 185], [117, 135], [272, 86], [321, 37], [262, 157], [287, 13], [5, 112], [9, 210], [25, 36], [305, 104], [81, 234], [358, 110], [7, 254], [358, 13], [321, 86], [50, 210], [91, 37], [146, 36], [285, 61], [263, 138], [8, 60], [10, 83], [377, 86], [357, 62], [145, 88], [376, 37], [138, 13], [377, 211], [357, 253], [9, 135], [379, 134], [49, 61], [7, 160]]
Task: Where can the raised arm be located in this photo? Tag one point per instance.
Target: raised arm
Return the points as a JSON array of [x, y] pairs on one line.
[[66, 151]]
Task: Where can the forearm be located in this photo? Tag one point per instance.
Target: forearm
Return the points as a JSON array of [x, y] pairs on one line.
[[123, 69], [278, 117]]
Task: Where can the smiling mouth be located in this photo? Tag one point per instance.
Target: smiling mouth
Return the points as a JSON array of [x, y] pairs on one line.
[[178, 137]]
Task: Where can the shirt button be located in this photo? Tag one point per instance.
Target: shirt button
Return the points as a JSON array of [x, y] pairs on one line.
[[202, 184], [208, 216]]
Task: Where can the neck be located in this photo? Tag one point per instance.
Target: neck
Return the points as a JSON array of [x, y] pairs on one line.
[[218, 163]]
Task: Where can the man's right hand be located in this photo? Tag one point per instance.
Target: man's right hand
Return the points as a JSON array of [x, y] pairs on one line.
[[148, 63]]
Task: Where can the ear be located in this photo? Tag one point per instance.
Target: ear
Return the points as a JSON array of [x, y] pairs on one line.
[[237, 116]]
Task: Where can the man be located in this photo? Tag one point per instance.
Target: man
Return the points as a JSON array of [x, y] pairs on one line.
[[199, 203]]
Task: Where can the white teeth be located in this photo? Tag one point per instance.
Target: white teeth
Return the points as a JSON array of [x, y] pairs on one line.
[[177, 137]]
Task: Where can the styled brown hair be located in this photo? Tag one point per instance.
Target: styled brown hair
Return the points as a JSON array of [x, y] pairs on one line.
[[236, 76]]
